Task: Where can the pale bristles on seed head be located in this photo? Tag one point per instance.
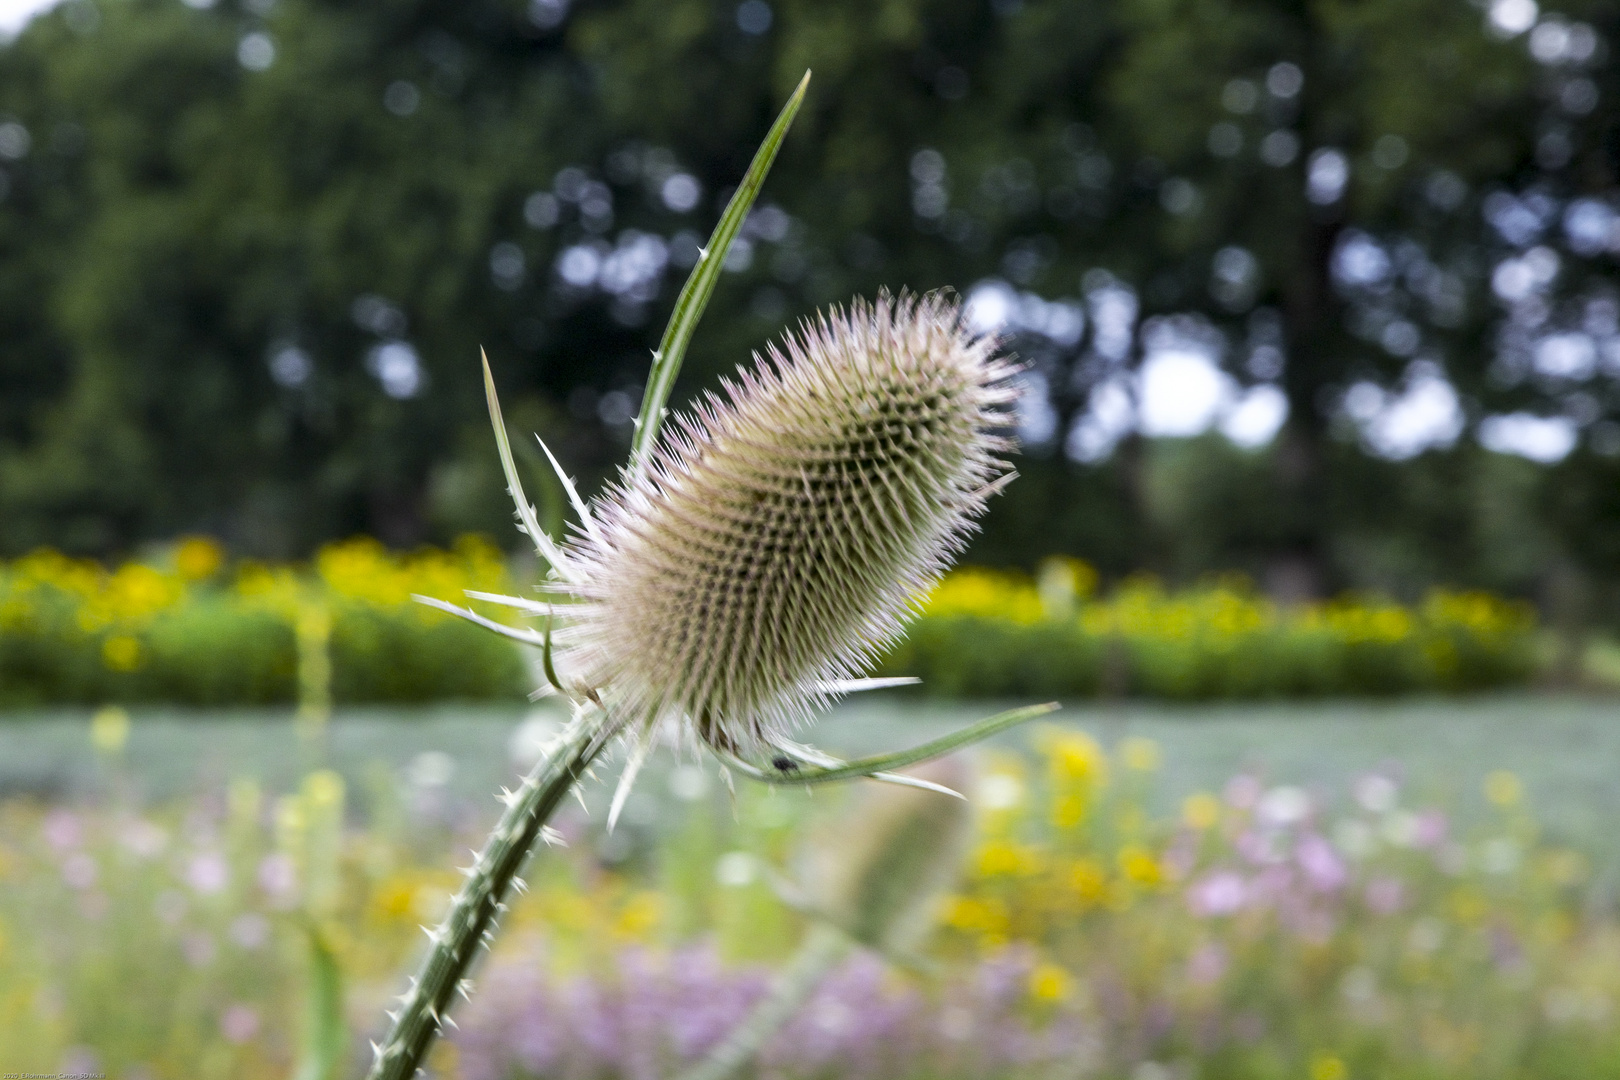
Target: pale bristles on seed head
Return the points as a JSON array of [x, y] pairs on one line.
[[782, 531]]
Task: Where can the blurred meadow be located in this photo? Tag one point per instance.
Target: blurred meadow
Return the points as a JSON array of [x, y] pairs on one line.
[[1284, 891], [1316, 534]]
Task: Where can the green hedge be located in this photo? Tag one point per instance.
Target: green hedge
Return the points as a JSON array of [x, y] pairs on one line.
[[986, 634], [184, 631], [74, 633]]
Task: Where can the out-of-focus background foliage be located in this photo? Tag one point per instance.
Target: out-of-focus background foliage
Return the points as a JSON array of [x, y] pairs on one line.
[[1321, 292]]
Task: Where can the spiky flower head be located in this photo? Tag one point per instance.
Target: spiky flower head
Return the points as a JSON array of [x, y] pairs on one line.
[[773, 542]]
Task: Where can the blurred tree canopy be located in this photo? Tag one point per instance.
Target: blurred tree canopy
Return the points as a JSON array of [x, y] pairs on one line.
[[249, 251]]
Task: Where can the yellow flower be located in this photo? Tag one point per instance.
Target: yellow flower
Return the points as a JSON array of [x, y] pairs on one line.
[[641, 915], [986, 594], [1074, 757], [323, 789], [1076, 768], [1201, 811], [986, 918], [361, 568], [1068, 811], [1328, 1067], [198, 558], [1002, 858], [81, 577], [1479, 613], [255, 579], [1089, 881], [964, 913], [394, 899], [1503, 788], [121, 653], [136, 591], [1050, 983], [1138, 865], [109, 729]]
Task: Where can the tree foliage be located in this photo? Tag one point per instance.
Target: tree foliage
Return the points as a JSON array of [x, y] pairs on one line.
[[248, 251]]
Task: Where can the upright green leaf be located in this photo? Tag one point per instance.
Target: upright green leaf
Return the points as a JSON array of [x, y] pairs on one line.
[[699, 286], [326, 1038], [514, 486]]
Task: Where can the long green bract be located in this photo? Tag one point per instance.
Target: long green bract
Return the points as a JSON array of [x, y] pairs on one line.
[[700, 285], [514, 486], [899, 759]]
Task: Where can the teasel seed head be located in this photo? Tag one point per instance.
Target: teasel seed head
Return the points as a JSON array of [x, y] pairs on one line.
[[779, 533]]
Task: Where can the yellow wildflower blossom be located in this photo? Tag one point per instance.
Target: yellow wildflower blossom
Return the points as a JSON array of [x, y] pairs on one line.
[[1089, 881], [1050, 983], [1002, 858], [198, 558], [121, 652], [640, 915], [1504, 788], [109, 729], [1075, 758], [987, 594], [1201, 811], [987, 918], [1137, 865], [1328, 1067], [393, 900]]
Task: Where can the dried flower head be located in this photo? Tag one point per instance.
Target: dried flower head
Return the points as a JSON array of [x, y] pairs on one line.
[[776, 538]]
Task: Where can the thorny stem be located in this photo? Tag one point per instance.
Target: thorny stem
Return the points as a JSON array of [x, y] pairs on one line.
[[473, 911], [823, 947]]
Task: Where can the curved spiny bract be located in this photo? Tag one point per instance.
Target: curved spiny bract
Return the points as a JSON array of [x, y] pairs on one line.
[[783, 529]]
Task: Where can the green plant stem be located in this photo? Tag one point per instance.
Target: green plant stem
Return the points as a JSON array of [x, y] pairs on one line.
[[325, 1038], [823, 947], [473, 911]]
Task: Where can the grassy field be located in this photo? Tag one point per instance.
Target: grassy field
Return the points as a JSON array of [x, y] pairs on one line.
[[1353, 905], [1565, 749]]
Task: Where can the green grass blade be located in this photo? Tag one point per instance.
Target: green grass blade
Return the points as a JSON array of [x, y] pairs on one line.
[[700, 285], [325, 1047], [848, 770]]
